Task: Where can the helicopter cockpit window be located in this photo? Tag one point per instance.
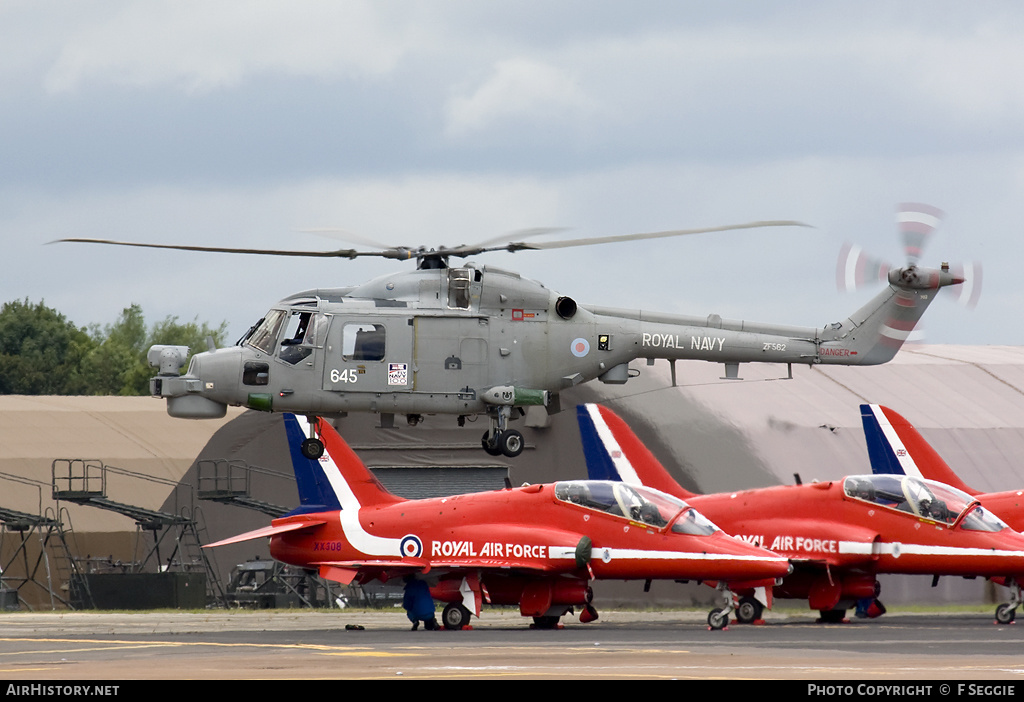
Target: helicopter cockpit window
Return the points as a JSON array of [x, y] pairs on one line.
[[458, 287], [922, 498], [650, 507], [264, 337], [300, 336], [363, 342]]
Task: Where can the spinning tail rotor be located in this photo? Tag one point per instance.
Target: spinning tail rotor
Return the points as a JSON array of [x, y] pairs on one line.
[[917, 223]]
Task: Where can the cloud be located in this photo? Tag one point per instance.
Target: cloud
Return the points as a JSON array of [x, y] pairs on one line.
[[521, 90], [197, 46], [423, 122]]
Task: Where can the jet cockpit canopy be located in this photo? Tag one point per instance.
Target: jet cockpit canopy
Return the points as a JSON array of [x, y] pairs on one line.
[[923, 498], [641, 504]]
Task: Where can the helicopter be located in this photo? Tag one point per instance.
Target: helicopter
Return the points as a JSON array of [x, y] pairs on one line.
[[469, 340]]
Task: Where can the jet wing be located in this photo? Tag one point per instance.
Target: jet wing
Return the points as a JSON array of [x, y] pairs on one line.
[[345, 572], [420, 565], [490, 564], [265, 532], [852, 549]]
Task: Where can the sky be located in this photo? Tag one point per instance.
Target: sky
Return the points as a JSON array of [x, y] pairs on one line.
[[437, 122]]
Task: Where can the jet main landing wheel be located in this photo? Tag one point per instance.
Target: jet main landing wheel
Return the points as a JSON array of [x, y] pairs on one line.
[[749, 610], [546, 622], [832, 616], [454, 616]]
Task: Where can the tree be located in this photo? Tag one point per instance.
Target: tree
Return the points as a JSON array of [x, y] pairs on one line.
[[111, 366], [41, 352]]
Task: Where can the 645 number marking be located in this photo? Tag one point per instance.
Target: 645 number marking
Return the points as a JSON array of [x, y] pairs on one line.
[[344, 376]]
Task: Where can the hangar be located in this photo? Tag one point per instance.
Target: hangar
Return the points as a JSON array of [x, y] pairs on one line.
[[226, 476]]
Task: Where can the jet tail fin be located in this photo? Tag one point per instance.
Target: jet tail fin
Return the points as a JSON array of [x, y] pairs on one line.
[[338, 479], [613, 452], [896, 447]]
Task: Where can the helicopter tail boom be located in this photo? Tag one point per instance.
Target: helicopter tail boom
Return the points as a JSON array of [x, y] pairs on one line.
[[870, 336], [874, 333]]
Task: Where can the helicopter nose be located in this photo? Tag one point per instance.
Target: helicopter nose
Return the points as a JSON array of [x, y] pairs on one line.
[[188, 396]]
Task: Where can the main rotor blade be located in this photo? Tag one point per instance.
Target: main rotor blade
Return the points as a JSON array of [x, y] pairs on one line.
[[345, 235], [517, 246], [460, 250], [340, 253], [518, 234], [403, 253]]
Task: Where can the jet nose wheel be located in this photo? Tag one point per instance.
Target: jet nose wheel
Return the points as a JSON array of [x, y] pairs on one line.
[[718, 619], [1005, 613], [312, 449]]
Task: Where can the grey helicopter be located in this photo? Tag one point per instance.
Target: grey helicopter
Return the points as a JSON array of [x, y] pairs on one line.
[[470, 340]]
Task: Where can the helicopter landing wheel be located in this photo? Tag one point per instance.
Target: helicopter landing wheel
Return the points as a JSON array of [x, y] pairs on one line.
[[312, 449], [511, 443], [490, 447]]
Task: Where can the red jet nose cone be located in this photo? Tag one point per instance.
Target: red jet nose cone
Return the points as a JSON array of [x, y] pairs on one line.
[[754, 562]]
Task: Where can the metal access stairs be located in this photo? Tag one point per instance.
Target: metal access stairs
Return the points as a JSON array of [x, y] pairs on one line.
[[84, 482], [39, 557]]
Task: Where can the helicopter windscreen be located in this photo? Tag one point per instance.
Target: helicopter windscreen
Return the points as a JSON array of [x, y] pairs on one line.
[[299, 331], [923, 498], [264, 337], [651, 507]]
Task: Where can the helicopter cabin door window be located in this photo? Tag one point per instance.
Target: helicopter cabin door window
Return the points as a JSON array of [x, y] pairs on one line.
[[363, 342], [459, 280]]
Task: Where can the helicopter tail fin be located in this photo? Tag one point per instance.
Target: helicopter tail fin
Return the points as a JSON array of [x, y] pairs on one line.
[[896, 447], [874, 333], [338, 479], [613, 452]]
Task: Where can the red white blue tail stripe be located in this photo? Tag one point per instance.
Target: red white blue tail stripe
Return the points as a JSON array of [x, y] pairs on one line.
[[895, 447], [613, 452]]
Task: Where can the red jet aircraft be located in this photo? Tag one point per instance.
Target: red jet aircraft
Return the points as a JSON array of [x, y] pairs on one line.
[[896, 448], [537, 546], [839, 534]]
